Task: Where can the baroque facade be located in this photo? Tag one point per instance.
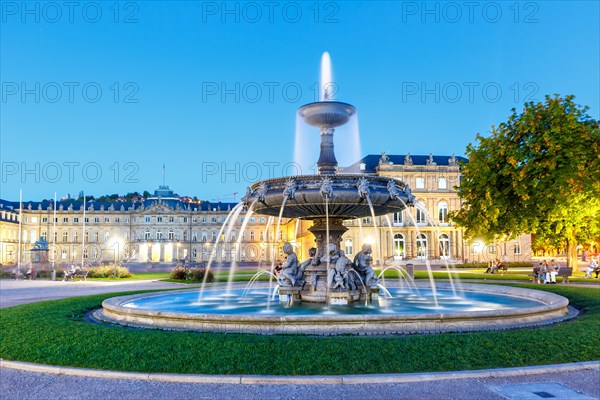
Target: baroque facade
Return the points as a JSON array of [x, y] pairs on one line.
[[165, 229]]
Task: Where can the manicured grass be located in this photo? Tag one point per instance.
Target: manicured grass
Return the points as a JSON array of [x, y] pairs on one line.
[[55, 332]]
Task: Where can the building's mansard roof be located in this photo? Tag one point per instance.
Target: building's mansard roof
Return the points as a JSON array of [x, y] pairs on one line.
[[372, 161], [67, 205]]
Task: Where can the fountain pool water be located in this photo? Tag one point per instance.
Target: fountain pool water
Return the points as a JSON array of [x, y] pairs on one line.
[[480, 307], [327, 293]]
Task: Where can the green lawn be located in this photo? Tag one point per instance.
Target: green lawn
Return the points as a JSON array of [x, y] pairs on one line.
[[55, 332]]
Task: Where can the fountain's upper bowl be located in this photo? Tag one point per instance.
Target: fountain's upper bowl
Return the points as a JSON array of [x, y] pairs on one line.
[[347, 196], [327, 114]]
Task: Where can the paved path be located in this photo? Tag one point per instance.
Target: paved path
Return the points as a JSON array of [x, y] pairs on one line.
[[528, 383]]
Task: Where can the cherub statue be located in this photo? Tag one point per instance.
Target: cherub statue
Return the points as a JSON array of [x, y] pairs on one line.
[[289, 269], [362, 264], [312, 260]]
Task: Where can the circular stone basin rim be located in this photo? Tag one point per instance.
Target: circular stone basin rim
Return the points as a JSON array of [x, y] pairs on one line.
[[550, 303]]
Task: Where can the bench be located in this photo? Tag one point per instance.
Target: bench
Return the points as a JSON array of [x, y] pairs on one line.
[[80, 273], [565, 273]]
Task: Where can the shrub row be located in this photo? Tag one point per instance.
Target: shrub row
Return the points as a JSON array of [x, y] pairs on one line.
[[108, 271], [195, 274]]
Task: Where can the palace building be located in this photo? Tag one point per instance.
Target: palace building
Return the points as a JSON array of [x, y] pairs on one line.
[[166, 229]]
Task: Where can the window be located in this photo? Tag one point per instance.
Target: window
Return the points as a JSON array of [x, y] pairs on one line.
[[185, 219], [241, 220], [420, 216], [194, 236], [204, 236], [261, 220], [185, 236], [55, 236], [86, 220], [262, 236], [366, 220], [442, 184], [146, 234], [106, 236], [280, 236], [349, 248], [159, 219], [63, 254], [443, 213], [106, 220], [34, 219], [444, 241], [45, 235], [75, 220], [517, 248], [252, 220], [75, 237], [194, 253], [171, 234], [252, 236], [398, 245], [96, 236], [213, 220], [214, 236], [44, 219], [421, 246], [420, 183], [86, 236], [117, 220], [147, 220], [223, 219], [126, 220], [85, 253], [97, 220], [398, 218], [204, 220], [159, 235], [233, 236], [171, 219], [65, 220]]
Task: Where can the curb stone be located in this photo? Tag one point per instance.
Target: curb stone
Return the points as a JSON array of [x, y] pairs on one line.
[[303, 380]]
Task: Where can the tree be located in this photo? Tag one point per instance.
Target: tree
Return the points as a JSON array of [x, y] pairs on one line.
[[537, 173]]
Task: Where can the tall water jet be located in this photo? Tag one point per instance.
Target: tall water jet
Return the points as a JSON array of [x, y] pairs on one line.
[[327, 87]]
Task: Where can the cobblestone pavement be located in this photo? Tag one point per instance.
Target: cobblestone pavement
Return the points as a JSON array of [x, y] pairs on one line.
[[16, 384]]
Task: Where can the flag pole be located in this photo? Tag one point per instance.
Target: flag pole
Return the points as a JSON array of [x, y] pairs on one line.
[[54, 237], [20, 233], [83, 234]]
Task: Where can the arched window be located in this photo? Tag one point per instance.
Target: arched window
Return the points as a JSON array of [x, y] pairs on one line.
[[65, 237], [421, 246], [204, 236], [96, 236], [159, 235], [194, 253], [399, 245], [349, 247], [171, 234], [194, 236], [443, 212], [75, 236], [444, 241], [146, 234], [252, 236], [45, 235]]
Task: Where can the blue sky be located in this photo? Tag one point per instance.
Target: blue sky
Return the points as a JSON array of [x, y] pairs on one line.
[[97, 97]]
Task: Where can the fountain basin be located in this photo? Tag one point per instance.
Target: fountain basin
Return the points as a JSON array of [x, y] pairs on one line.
[[345, 201], [510, 308], [327, 114]]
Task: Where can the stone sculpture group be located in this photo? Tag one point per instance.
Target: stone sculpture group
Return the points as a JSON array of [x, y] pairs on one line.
[[342, 274]]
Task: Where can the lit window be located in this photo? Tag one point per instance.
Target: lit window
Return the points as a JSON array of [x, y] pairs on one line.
[[349, 247], [443, 213], [444, 242], [398, 245], [517, 248]]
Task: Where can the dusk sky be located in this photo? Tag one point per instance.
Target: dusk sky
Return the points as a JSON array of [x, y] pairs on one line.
[[97, 96]]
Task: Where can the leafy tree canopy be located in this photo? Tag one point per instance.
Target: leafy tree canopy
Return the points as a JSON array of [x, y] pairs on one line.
[[539, 173]]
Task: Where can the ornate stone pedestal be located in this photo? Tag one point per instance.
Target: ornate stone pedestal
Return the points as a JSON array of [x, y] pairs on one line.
[[289, 295]]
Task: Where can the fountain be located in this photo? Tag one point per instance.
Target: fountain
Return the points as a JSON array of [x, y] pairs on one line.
[[328, 293]]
